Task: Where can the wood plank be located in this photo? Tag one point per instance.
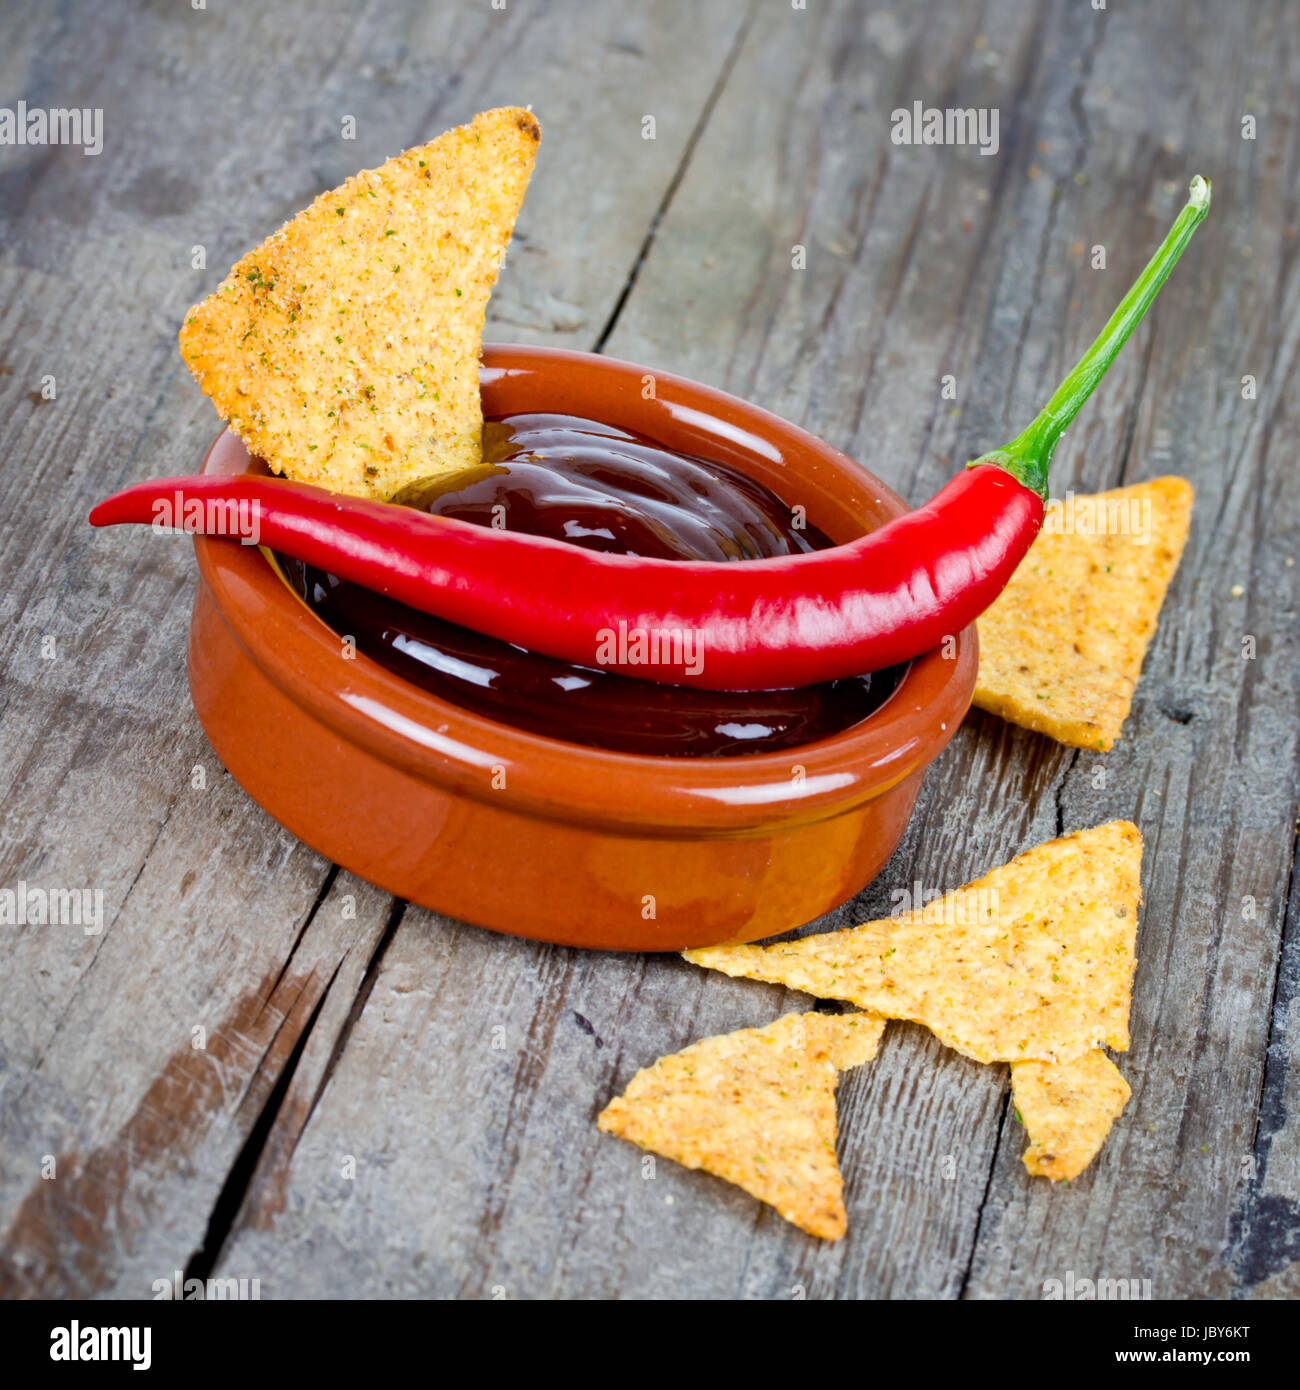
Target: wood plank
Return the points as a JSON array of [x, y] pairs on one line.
[[218, 125]]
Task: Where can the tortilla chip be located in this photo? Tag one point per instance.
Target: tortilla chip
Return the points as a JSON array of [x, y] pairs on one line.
[[1068, 1110], [1061, 650], [1034, 960], [345, 349], [757, 1108]]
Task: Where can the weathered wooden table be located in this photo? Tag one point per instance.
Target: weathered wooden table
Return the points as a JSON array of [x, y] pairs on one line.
[[265, 1068]]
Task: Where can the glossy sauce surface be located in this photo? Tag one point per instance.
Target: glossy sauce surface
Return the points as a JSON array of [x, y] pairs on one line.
[[600, 487]]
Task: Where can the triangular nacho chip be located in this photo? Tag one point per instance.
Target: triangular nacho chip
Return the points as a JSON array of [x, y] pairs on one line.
[[757, 1108], [1034, 960], [345, 349], [1068, 1109], [1061, 650]]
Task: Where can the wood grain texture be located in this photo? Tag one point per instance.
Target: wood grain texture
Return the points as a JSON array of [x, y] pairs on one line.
[[391, 1103], [218, 125]]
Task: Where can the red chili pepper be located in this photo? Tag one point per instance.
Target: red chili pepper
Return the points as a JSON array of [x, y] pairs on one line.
[[748, 625]]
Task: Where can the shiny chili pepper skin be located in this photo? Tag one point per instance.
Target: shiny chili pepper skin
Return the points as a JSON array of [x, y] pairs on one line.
[[749, 625], [759, 624]]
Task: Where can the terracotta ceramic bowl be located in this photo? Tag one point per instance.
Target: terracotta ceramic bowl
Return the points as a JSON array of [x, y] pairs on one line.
[[547, 839]]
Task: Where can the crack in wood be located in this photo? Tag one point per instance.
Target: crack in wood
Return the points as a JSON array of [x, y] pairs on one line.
[[679, 173], [233, 1191], [395, 914], [1265, 1234], [973, 1252], [331, 873]]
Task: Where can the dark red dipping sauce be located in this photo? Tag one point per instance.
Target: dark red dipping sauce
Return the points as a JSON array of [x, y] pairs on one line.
[[600, 487]]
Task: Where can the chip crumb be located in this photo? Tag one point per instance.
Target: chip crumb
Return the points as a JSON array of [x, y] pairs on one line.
[[344, 350], [1033, 961], [757, 1108], [1061, 650], [1068, 1109]]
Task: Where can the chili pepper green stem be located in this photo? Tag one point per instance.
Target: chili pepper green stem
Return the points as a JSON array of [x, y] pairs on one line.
[[1029, 455]]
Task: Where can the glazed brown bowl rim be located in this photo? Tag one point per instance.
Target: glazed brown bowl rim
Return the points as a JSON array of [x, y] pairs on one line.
[[436, 740]]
